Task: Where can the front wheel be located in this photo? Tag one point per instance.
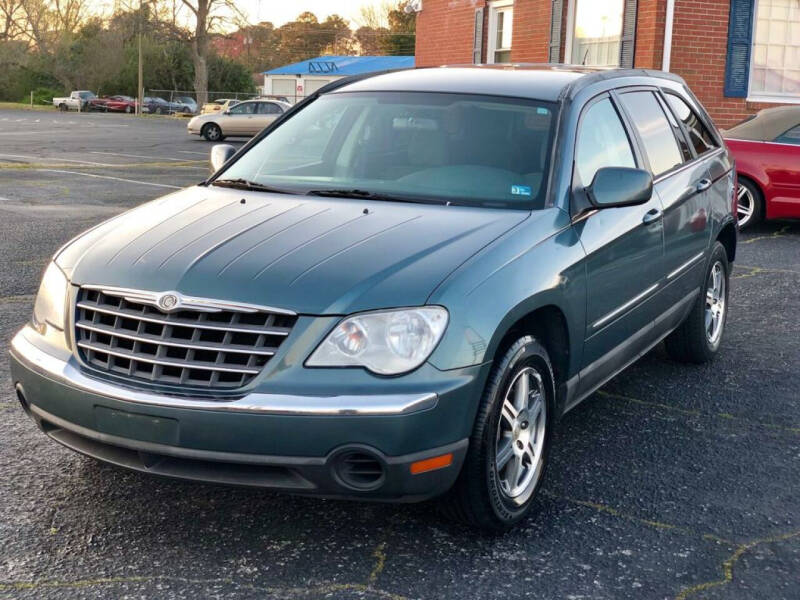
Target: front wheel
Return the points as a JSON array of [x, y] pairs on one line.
[[212, 132], [62, 107], [510, 442], [698, 338]]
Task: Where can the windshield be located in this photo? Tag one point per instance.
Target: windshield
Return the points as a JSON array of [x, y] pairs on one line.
[[464, 149]]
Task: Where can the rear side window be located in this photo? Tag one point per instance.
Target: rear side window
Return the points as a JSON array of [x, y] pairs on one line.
[[790, 137], [700, 136], [268, 108], [654, 130], [602, 142]]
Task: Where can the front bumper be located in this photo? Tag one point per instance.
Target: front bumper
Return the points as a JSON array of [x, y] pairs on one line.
[[290, 443]]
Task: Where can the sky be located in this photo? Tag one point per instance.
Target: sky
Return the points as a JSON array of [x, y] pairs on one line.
[[281, 11]]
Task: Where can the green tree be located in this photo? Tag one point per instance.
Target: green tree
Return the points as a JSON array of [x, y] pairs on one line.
[[401, 40]]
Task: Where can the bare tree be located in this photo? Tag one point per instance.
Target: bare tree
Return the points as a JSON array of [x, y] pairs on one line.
[[207, 14], [45, 22], [10, 13]]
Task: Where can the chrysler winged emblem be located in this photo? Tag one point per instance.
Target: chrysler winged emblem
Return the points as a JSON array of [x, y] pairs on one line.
[[168, 301]]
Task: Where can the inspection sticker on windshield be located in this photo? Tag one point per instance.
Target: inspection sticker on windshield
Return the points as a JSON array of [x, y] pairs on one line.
[[521, 190]]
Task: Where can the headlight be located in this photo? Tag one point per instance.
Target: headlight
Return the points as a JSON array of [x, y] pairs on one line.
[[51, 299], [385, 342]]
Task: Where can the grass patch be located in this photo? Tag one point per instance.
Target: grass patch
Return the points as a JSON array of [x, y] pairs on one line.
[[25, 106]]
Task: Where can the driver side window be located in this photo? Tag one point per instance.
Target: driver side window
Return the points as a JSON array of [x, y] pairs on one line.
[[602, 142]]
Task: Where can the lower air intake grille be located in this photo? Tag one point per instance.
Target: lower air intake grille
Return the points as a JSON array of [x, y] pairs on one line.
[[127, 335]]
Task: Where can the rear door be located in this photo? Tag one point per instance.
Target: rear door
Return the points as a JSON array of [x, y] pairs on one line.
[[682, 182], [266, 113], [624, 248]]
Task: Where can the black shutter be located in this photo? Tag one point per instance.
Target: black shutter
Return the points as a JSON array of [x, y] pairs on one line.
[[477, 40], [740, 37], [627, 43], [556, 15]]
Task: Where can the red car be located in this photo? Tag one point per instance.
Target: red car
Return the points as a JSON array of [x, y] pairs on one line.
[[767, 152], [114, 104]]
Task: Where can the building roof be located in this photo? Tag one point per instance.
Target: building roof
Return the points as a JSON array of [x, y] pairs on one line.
[[542, 82], [344, 65]]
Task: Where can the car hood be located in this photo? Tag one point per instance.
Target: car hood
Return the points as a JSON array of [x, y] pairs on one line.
[[310, 255]]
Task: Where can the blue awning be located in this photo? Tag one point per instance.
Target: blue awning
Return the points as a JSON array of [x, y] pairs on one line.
[[344, 65]]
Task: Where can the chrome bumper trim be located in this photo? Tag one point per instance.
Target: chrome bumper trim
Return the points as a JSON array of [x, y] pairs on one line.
[[66, 373]]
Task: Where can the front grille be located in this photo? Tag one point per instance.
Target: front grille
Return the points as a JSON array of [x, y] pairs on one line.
[[207, 348]]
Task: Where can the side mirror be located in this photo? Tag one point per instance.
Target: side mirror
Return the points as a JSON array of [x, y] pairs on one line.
[[220, 154], [620, 186]]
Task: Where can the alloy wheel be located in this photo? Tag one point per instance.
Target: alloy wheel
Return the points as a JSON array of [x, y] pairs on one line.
[[520, 438], [745, 205], [715, 304]]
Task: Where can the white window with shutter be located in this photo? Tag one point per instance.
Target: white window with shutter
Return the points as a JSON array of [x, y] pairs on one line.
[[775, 59], [594, 32], [501, 21]]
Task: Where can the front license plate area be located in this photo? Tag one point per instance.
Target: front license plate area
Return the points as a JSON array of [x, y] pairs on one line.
[[146, 428]]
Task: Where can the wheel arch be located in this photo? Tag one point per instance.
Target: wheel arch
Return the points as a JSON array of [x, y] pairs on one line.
[[548, 324], [728, 237]]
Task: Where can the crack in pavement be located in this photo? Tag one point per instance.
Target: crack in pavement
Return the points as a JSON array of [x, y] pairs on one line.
[[745, 421], [775, 234], [753, 271], [285, 593], [16, 299], [280, 592], [728, 564]]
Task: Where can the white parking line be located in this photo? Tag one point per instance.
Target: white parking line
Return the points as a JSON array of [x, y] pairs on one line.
[[54, 159], [138, 156], [190, 152], [164, 185]]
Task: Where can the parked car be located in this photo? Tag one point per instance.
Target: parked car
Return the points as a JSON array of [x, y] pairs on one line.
[[117, 103], [767, 152], [159, 106], [78, 100], [404, 309], [186, 104], [245, 119], [220, 105]]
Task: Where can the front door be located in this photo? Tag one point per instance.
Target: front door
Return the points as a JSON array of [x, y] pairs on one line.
[[239, 120], [624, 251]]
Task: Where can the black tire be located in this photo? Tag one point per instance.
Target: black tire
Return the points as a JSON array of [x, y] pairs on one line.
[[159, 110], [479, 498], [128, 109], [212, 132], [63, 107], [753, 197], [691, 342]]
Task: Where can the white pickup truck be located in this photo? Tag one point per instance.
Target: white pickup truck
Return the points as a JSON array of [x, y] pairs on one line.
[[78, 100]]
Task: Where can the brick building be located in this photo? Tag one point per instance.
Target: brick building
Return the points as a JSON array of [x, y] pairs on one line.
[[738, 56]]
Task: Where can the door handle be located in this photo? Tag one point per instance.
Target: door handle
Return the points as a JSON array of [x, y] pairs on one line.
[[703, 185], [651, 216]]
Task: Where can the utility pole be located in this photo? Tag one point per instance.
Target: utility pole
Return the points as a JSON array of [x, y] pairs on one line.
[[140, 89]]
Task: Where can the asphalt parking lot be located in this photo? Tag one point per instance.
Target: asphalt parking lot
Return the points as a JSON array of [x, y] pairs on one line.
[[674, 481]]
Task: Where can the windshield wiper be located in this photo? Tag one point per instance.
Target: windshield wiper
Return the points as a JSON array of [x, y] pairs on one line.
[[244, 184], [367, 195]]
